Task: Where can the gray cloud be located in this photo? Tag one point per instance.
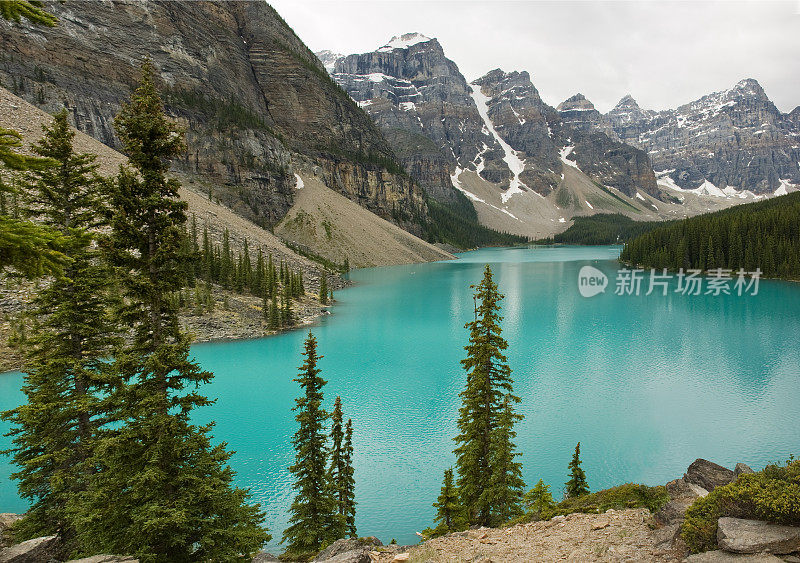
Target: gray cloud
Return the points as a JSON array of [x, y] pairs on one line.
[[663, 53]]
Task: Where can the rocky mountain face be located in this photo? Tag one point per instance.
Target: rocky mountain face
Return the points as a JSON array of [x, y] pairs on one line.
[[497, 126], [735, 139], [255, 102]]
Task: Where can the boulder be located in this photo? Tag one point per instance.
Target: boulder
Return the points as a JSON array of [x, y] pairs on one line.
[[707, 474], [36, 550], [664, 537], [347, 550], [264, 557], [755, 536], [679, 488], [723, 557], [105, 559], [741, 469], [674, 511]]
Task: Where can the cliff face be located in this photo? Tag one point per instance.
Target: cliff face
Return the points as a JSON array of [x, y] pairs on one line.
[[254, 100], [497, 126], [734, 138]]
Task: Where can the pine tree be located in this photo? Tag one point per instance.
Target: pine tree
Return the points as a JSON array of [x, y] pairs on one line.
[[485, 400], [348, 481], [506, 481], [449, 512], [576, 486], [538, 501], [274, 321], [340, 473], [323, 288], [336, 470], [313, 521], [162, 491], [32, 250], [66, 375]]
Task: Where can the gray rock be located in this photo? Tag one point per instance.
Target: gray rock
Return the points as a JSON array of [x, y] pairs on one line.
[[723, 556], [754, 536], [348, 546], [707, 474], [264, 557], [37, 550], [741, 469], [354, 556], [665, 536], [105, 559], [674, 511], [679, 488]]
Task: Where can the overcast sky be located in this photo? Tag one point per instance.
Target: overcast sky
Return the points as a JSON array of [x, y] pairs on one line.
[[663, 53]]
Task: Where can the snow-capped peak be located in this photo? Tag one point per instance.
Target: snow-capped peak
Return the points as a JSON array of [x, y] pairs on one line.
[[403, 41]]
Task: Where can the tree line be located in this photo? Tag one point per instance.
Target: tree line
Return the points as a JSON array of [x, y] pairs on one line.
[[764, 234], [602, 228]]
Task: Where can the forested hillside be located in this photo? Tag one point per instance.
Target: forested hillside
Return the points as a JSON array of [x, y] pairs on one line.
[[604, 228], [763, 235]]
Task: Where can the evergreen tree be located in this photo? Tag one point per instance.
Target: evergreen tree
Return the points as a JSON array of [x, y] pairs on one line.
[[162, 491], [486, 405], [538, 501], [313, 521], [348, 481], [65, 375], [274, 322], [449, 512], [506, 480], [323, 288], [576, 486], [32, 250], [340, 473], [336, 470]]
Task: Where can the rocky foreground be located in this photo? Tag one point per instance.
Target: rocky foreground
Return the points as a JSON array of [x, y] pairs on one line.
[[615, 535]]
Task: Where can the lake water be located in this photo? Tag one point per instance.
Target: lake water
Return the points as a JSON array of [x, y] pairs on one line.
[[645, 383]]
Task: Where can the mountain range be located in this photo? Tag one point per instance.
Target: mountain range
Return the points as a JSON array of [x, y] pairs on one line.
[[399, 131], [528, 167]]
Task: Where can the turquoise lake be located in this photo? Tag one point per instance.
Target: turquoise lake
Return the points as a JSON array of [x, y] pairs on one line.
[[645, 383]]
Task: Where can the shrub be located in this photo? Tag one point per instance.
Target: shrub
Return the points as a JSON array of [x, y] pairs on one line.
[[772, 495], [629, 495]]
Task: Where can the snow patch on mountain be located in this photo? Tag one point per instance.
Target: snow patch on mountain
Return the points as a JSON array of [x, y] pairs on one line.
[[515, 164], [564, 153], [403, 41], [457, 185]]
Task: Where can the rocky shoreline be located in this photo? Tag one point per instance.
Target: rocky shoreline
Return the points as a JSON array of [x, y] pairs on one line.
[[235, 316], [630, 535]]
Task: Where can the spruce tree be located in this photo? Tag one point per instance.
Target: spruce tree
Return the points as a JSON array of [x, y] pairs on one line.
[[313, 520], [340, 473], [348, 481], [66, 375], [162, 491], [487, 402], [576, 486], [449, 512], [539, 501], [336, 470], [506, 480], [32, 250], [323, 288]]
